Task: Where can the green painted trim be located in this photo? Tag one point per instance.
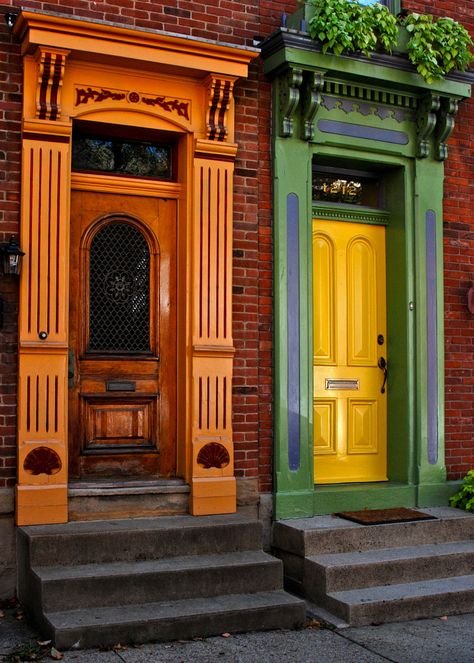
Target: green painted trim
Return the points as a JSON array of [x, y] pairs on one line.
[[293, 505], [437, 494], [352, 213], [329, 499], [429, 196], [292, 175]]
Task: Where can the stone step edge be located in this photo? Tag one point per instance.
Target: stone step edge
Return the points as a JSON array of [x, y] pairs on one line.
[[405, 591], [175, 619], [170, 565], [400, 553], [128, 526]]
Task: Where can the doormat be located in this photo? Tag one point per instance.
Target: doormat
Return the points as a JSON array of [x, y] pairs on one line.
[[384, 516]]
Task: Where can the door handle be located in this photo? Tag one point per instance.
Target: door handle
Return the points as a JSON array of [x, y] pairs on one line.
[[382, 364], [71, 368]]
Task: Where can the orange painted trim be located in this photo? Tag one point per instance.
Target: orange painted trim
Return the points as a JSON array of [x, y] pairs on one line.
[[125, 186], [39, 505], [213, 496], [63, 32]]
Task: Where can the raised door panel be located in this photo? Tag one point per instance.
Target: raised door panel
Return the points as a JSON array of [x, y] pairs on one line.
[[324, 308], [361, 303]]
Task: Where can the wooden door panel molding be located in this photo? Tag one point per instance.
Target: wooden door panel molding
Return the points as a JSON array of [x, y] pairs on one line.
[[112, 425]]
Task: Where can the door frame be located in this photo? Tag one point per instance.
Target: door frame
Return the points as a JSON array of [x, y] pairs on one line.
[[75, 69]]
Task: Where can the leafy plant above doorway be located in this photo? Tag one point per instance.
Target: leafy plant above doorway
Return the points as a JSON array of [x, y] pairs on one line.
[[434, 46]]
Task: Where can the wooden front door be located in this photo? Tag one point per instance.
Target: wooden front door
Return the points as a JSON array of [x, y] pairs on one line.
[[349, 352], [122, 347]]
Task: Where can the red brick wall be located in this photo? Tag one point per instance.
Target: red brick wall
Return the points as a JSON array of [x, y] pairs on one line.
[[458, 265], [10, 116], [238, 22]]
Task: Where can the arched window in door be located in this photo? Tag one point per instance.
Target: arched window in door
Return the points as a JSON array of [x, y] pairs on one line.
[[119, 290]]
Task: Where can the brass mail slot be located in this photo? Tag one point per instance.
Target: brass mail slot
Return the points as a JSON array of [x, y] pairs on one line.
[[120, 385], [351, 385]]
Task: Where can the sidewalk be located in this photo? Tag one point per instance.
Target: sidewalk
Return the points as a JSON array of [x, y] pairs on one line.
[[446, 640]]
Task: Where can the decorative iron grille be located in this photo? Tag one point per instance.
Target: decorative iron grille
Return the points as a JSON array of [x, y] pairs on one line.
[[119, 290]]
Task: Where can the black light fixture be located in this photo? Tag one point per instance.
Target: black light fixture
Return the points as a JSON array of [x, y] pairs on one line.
[[11, 256], [10, 18]]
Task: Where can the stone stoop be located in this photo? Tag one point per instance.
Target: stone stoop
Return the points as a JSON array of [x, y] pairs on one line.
[[98, 583], [380, 573]]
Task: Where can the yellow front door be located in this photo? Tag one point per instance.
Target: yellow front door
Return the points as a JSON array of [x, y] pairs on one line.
[[349, 352]]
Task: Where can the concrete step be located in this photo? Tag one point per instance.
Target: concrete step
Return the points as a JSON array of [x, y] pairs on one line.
[[174, 620], [414, 600], [387, 566], [138, 539], [167, 579], [329, 534]]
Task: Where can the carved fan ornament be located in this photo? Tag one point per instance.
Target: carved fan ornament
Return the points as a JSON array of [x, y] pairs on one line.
[[42, 460], [213, 455]]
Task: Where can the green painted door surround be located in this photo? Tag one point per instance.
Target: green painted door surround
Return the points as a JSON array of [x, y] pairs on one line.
[[376, 115]]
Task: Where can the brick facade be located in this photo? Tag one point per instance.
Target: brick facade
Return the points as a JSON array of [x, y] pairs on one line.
[[238, 23]]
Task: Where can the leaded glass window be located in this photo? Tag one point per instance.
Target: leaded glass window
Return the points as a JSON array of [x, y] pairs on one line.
[[119, 290]]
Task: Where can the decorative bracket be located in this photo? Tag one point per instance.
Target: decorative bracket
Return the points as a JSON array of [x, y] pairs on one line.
[[445, 126], [426, 122], [290, 84], [219, 95], [51, 65], [311, 100]]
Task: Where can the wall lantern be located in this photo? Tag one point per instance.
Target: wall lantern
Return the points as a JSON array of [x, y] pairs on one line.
[[11, 256]]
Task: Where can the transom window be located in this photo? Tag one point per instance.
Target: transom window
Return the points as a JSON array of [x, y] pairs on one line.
[[103, 149]]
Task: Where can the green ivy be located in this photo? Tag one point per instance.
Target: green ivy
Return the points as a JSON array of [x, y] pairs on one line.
[[346, 27], [464, 498], [435, 47]]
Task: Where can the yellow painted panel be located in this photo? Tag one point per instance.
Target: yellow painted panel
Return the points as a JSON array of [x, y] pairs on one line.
[[325, 427], [361, 303], [350, 436], [362, 417], [323, 300]]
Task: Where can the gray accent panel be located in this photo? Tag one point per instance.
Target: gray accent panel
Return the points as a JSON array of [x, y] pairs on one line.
[[432, 337], [359, 131], [294, 398]]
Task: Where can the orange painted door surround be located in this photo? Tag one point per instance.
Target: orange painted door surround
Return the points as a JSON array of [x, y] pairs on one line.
[[122, 340], [349, 352]]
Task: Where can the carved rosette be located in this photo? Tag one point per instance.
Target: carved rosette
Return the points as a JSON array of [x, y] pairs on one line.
[[51, 65], [219, 98]]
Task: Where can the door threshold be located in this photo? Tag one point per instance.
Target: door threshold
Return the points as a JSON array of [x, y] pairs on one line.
[[108, 487]]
